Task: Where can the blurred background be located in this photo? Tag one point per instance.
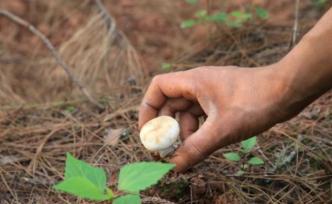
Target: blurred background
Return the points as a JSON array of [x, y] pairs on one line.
[[112, 48]]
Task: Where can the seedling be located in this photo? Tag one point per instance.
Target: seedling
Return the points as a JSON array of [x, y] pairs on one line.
[[319, 3], [166, 66], [233, 19], [192, 2], [246, 147], [88, 182]]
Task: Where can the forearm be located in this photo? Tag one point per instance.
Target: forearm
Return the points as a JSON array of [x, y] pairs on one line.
[[307, 69]]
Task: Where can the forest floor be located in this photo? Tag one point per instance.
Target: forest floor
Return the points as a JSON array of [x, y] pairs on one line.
[[43, 114]]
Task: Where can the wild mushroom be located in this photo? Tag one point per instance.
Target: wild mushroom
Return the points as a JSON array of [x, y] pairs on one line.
[[160, 134]]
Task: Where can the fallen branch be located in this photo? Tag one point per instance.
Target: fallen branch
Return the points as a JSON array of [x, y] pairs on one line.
[[53, 51], [156, 200], [110, 22], [107, 16]]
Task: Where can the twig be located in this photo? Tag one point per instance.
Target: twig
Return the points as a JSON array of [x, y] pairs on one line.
[[111, 24], [296, 24], [156, 200], [120, 112], [53, 51]]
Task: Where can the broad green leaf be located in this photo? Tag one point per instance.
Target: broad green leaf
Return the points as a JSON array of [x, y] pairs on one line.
[[188, 23], [239, 173], [262, 13], [128, 199], [218, 17], [141, 175], [248, 144], [77, 168], [232, 156], [192, 2], [84, 180], [201, 14], [166, 66], [83, 188], [255, 161]]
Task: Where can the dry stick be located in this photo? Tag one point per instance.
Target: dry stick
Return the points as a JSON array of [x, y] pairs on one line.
[[107, 16], [296, 24], [110, 22], [53, 51], [156, 200]]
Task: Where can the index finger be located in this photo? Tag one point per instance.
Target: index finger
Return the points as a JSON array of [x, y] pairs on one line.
[[171, 85]]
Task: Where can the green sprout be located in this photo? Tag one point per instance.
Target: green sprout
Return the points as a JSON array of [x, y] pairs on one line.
[[233, 19], [246, 147], [166, 66], [88, 182], [192, 2]]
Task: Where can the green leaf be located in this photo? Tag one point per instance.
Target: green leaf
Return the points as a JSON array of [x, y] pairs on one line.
[[232, 156], [77, 168], [166, 66], [255, 161], [84, 180], [248, 144], [319, 3], [201, 14], [237, 18], [82, 188], [128, 199], [188, 23], [262, 13], [241, 16], [192, 2], [70, 109], [141, 175], [218, 17]]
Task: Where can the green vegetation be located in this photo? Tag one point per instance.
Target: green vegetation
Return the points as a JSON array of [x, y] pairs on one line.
[[319, 3], [246, 147], [192, 2], [233, 19], [166, 66], [88, 182]]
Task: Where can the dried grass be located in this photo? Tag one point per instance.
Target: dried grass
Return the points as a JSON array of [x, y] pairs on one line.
[[34, 137], [103, 60]]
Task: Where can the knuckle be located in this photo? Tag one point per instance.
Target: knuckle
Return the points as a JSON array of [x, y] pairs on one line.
[[156, 79]]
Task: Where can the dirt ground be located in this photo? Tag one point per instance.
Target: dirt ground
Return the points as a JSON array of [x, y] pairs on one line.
[[43, 114]]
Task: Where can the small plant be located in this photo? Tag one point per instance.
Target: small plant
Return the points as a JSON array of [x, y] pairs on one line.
[[319, 3], [88, 182], [70, 109], [233, 19], [246, 147], [192, 2], [166, 66]]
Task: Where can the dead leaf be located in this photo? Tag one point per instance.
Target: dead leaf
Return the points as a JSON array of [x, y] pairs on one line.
[[113, 135]]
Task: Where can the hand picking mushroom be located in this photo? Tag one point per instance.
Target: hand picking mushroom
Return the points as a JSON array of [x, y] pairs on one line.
[[160, 134]]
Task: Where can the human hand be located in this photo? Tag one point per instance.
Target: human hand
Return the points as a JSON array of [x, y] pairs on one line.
[[237, 103], [240, 102]]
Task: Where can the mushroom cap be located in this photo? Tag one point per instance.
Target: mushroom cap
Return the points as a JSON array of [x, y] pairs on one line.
[[160, 133]]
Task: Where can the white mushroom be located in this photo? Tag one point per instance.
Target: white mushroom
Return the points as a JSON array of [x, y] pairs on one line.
[[160, 134]]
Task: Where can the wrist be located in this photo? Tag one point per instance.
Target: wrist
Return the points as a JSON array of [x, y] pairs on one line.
[[304, 73]]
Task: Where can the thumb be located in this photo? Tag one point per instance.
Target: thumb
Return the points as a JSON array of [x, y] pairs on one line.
[[198, 145]]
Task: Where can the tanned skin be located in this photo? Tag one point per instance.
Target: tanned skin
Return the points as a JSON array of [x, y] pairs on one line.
[[240, 102]]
